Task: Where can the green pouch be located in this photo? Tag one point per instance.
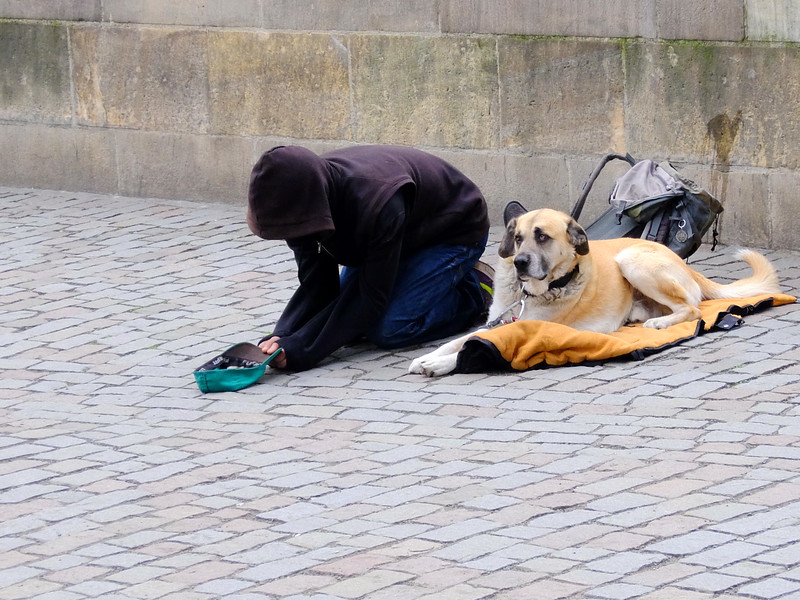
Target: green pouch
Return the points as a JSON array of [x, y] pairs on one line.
[[236, 368]]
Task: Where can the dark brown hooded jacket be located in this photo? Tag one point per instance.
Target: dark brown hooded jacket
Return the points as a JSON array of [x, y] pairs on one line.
[[364, 206]]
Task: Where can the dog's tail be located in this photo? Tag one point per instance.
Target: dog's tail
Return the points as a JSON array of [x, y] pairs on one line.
[[764, 279]]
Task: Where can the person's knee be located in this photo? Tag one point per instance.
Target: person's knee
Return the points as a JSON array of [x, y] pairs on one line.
[[393, 334]]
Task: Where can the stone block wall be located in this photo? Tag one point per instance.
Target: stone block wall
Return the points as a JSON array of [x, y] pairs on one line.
[[178, 99]]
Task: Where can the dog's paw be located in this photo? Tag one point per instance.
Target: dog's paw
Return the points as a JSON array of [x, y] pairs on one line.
[[416, 366], [433, 366], [658, 323]]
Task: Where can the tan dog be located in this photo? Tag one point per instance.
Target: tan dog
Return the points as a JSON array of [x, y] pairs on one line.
[[549, 271]]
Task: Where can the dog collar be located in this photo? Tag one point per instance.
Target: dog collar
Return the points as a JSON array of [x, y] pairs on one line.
[[554, 285], [563, 281]]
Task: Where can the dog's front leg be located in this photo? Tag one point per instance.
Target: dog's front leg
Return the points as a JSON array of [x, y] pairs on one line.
[[440, 361]]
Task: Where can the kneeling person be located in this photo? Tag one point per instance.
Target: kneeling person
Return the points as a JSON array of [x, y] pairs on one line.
[[407, 227]]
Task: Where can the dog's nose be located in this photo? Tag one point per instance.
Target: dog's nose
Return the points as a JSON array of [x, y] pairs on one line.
[[522, 262]]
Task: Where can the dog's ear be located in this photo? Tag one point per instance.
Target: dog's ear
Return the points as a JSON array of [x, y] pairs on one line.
[[512, 210], [506, 248], [578, 237]]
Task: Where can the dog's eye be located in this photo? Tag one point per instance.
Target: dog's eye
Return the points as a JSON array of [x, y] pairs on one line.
[[542, 237], [518, 238]]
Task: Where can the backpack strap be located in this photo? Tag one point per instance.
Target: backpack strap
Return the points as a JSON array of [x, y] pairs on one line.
[[656, 228]]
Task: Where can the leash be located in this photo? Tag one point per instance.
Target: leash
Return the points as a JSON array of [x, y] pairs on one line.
[[501, 321]]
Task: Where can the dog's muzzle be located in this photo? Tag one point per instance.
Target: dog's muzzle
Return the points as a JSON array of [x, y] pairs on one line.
[[527, 267]]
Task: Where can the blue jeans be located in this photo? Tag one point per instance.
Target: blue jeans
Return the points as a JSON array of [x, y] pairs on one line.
[[436, 295]]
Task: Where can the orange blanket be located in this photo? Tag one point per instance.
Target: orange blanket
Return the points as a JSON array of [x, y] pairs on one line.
[[529, 344]]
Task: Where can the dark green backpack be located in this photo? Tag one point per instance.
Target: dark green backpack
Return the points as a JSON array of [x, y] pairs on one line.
[[654, 202]]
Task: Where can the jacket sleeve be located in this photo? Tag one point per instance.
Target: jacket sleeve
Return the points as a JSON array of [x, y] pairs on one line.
[[318, 275], [332, 320]]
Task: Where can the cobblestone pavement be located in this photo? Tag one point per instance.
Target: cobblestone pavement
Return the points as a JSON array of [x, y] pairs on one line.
[[675, 478]]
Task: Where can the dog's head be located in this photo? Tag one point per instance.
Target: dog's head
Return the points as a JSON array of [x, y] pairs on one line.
[[544, 246]]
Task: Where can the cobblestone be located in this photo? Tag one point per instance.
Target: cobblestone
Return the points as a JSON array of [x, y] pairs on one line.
[[674, 477]]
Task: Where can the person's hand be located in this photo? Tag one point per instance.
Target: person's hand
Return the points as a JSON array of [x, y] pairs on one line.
[[271, 345]]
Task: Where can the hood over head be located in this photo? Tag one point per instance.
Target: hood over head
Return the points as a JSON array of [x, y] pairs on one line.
[[289, 195]]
